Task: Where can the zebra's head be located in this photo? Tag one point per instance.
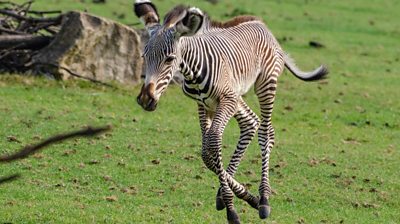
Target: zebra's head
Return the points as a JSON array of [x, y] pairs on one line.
[[161, 53]]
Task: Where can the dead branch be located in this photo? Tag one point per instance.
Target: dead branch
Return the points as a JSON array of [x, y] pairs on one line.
[[8, 3], [5, 30], [51, 31], [41, 13], [74, 74], [87, 78], [23, 33], [30, 19], [43, 26]]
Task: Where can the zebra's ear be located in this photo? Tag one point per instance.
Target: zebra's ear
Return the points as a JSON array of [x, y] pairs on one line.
[[185, 21], [146, 11]]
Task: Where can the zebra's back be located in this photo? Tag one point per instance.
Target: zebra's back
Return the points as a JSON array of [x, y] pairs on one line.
[[230, 58]]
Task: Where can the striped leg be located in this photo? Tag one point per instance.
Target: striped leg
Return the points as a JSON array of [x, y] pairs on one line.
[[212, 152], [212, 157], [239, 190], [205, 118], [265, 90], [248, 124]]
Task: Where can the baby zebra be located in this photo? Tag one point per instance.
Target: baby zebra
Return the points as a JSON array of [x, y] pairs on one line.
[[219, 63]]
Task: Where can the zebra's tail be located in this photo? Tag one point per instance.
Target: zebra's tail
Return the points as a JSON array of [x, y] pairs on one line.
[[317, 74]]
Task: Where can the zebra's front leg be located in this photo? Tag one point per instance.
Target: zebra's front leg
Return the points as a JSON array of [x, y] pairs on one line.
[[205, 118], [212, 154], [248, 123]]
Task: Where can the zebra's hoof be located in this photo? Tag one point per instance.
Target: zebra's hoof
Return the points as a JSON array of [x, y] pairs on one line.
[[219, 202], [253, 202], [233, 217], [264, 210]]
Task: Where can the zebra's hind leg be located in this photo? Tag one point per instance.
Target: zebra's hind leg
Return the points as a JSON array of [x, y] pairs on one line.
[[248, 123], [265, 91]]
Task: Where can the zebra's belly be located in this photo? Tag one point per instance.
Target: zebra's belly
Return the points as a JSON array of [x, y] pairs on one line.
[[243, 84], [244, 87]]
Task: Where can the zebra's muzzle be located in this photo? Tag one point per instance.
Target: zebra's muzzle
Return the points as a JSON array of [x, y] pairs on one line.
[[146, 98]]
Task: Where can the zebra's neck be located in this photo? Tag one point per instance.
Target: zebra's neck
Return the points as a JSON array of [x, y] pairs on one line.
[[192, 63]]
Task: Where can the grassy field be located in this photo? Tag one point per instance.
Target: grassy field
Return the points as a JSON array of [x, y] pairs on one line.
[[336, 158]]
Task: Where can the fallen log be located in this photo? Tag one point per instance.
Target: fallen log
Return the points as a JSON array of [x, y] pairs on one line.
[[19, 41]]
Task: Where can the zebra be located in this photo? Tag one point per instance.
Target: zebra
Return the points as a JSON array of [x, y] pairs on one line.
[[220, 62]]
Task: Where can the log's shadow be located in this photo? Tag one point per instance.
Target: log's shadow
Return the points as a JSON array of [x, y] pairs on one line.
[[31, 149]]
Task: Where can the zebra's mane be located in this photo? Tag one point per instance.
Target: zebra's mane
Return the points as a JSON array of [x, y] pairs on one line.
[[234, 21], [178, 12]]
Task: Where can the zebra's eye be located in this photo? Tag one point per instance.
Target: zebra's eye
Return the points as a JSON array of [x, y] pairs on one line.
[[170, 59]]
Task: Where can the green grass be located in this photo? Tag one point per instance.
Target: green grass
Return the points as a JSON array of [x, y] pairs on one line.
[[337, 142]]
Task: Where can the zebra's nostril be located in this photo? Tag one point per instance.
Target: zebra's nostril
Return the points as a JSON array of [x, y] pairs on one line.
[[151, 105], [138, 100], [150, 102]]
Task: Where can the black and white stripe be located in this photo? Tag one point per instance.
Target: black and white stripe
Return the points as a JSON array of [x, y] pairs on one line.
[[219, 63]]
